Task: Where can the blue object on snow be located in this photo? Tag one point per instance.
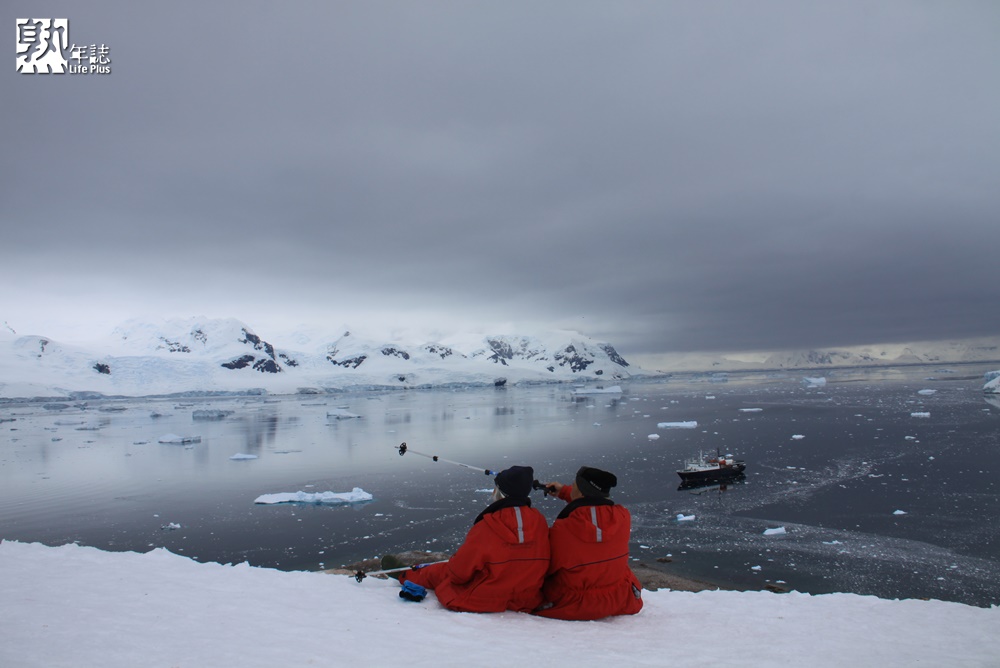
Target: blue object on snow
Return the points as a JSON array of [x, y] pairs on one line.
[[412, 592]]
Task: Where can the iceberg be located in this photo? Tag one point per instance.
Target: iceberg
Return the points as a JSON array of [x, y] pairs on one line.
[[992, 382], [174, 439], [357, 495], [210, 414]]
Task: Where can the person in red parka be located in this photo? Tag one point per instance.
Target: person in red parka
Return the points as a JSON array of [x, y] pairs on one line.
[[589, 576], [502, 563]]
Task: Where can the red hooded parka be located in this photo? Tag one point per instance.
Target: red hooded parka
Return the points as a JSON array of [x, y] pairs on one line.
[[500, 566], [589, 576]]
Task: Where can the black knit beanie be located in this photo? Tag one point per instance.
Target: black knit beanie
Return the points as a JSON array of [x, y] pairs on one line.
[[595, 483], [515, 481]]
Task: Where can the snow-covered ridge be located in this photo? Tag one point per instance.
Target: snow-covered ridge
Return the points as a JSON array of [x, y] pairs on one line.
[[226, 355]]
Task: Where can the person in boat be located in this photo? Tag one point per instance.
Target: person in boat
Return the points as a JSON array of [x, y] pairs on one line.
[[589, 576], [501, 564]]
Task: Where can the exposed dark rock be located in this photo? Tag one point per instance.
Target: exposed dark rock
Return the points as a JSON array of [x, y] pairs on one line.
[[101, 367], [257, 343], [613, 354], [576, 361], [389, 350], [199, 335], [349, 363], [500, 382], [173, 346], [443, 351], [267, 366], [239, 362], [288, 360]]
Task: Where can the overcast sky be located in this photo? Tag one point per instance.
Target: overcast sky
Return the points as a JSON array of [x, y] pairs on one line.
[[668, 176]]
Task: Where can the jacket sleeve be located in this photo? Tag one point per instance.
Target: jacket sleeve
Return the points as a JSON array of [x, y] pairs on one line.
[[469, 559], [564, 492]]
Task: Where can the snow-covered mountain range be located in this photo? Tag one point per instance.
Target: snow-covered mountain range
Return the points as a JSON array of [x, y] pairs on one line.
[[935, 352], [226, 355]]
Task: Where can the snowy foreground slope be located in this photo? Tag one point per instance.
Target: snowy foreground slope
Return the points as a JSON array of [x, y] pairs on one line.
[[78, 606], [226, 355]]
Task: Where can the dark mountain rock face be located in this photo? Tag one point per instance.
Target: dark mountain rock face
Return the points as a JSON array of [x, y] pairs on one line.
[[268, 363], [348, 363], [173, 346], [613, 355]]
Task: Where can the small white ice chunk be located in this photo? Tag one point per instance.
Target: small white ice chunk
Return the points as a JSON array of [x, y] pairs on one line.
[[684, 518], [677, 425], [920, 415], [653, 437], [777, 531], [798, 437], [240, 456], [899, 512], [926, 392]]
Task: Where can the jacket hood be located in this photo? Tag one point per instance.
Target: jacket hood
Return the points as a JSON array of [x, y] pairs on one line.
[[505, 523], [598, 523]]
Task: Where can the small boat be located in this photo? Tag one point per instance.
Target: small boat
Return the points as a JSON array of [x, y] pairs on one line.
[[712, 469]]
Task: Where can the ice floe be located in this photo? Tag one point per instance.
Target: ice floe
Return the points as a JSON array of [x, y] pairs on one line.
[[357, 495]]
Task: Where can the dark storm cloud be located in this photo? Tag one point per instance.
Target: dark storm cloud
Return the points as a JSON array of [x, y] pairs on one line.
[[669, 176]]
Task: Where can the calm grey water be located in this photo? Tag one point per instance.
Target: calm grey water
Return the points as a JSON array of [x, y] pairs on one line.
[[832, 465]]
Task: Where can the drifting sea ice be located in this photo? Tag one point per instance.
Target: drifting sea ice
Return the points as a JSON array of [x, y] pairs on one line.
[[174, 439], [240, 457], [777, 531], [357, 495], [920, 415], [677, 425], [210, 414], [341, 414]]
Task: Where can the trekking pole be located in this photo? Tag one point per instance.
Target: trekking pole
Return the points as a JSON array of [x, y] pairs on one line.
[[361, 575], [403, 450]]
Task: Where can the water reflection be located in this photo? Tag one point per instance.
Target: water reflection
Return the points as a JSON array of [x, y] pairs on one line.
[[702, 486]]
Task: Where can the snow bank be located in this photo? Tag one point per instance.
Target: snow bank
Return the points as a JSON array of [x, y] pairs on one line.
[[161, 609], [357, 495]]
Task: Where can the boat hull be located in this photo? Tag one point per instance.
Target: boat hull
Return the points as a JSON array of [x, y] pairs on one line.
[[714, 474]]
